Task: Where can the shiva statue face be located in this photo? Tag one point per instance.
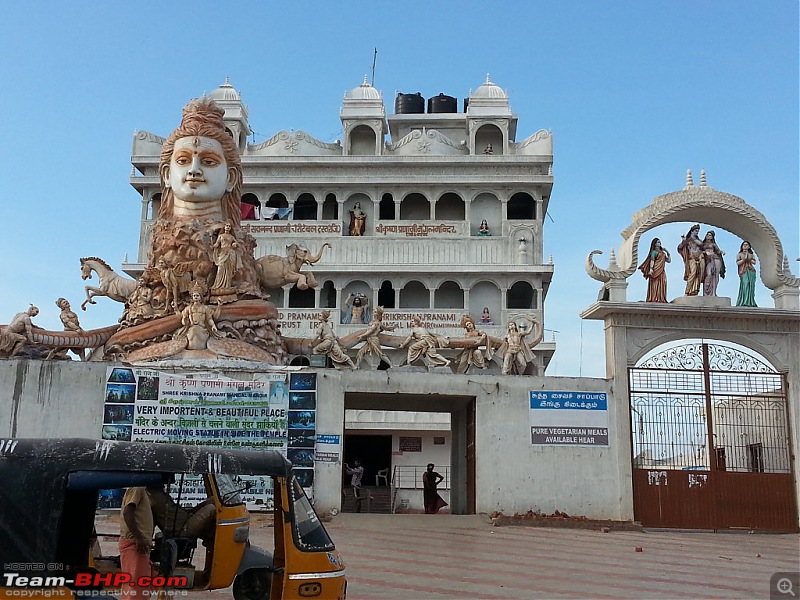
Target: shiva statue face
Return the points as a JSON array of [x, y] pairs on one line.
[[198, 172]]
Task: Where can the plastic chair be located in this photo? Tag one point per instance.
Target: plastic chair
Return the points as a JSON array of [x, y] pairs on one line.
[[382, 474]]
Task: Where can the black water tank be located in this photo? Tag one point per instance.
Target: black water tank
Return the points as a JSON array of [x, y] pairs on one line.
[[409, 104], [442, 104]]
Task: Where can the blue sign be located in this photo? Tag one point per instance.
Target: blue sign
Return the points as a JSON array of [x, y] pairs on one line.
[[327, 438], [569, 400]]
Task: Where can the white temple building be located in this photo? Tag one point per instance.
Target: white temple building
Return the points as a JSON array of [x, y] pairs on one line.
[[425, 182]]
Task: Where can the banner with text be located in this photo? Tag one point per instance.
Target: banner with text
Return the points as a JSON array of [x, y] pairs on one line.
[[144, 405], [569, 418]]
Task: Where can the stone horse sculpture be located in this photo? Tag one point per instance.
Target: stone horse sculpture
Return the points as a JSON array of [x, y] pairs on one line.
[[276, 271], [112, 284]]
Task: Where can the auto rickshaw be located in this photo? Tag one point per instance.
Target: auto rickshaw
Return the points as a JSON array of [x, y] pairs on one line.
[[49, 494]]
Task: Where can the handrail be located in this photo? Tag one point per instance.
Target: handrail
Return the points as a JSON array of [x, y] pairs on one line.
[[409, 477], [392, 491]]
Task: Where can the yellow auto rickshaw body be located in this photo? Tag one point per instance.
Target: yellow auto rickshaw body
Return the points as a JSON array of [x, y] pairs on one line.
[[48, 526], [311, 566]]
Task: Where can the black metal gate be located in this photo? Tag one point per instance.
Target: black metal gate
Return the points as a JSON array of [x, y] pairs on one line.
[[711, 441]]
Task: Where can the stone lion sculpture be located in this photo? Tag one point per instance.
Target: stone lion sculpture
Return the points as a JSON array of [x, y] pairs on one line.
[[276, 271]]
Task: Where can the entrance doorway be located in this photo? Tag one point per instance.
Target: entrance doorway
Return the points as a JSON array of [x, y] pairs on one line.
[[711, 441], [374, 452], [376, 455]]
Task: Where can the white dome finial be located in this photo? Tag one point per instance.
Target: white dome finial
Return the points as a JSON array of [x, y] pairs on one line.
[[689, 180], [702, 178], [366, 80]]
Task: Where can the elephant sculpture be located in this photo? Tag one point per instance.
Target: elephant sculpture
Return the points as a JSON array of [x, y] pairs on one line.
[[276, 271]]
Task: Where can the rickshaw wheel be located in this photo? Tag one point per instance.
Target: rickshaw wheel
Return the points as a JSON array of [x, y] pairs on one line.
[[253, 584]]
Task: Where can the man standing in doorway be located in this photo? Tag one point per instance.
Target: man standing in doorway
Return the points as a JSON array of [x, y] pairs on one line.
[[356, 473]]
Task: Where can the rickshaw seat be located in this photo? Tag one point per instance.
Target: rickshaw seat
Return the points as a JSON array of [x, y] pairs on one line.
[[171, 552]]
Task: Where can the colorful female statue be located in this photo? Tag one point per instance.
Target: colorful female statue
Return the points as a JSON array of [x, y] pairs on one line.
[[691, 251], [714, 264], [358, 220], [653, 269], [746, 261]]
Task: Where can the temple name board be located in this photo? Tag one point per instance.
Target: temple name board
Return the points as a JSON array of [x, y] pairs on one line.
[[283, 227], [414, 229]]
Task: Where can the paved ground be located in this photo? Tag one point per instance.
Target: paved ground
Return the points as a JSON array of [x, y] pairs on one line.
[[421, 557]]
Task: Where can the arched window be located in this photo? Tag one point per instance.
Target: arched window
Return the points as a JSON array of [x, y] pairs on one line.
[[276, 297], [450, 207], [521, 206], [330, 208], [305, 208], [301, 298], [415, 295], [486, 207], [356, 293], [357, 217], [489, 140], [485, 294], [386, 295], [327, 295], [386, 208], [155, 206], [300, 361], [362, 141], [251, 207], [277, 201], [448, 295], [415, 206], [521, 295]]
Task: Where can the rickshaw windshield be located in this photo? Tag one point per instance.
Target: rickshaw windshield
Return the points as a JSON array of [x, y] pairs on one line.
[[309, 533], [229, 489]]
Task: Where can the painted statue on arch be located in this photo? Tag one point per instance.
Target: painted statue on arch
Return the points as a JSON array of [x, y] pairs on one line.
[[694, 263], [714, 264], [746, 263], [653, 269]]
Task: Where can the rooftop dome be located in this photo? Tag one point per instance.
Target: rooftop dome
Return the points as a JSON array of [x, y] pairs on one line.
[[225, 92], [363, 92], [489, 90]]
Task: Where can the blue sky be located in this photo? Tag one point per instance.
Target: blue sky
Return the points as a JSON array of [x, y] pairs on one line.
[[635, 93]]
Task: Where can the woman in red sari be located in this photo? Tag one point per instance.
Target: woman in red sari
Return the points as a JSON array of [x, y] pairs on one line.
[[433, 501], [653, 269]]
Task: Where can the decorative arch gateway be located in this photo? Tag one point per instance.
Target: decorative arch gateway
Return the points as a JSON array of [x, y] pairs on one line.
[[706, 205], [634, 329], [711, 440]]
